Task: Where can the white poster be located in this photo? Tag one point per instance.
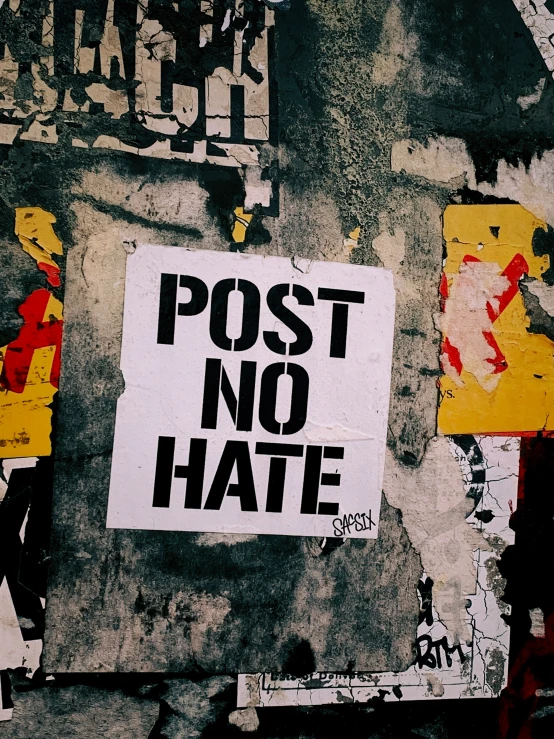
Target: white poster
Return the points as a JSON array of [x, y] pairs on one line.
[[256, 395]]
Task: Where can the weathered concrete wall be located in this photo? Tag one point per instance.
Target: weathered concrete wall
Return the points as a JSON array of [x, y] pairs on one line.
[[359, 125]]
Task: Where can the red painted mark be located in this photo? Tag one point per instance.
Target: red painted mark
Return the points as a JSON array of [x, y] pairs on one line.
[[499, 360], [513, 272], [443, 290], [36, 333], [52, 273], [524, 434], [453, 355]]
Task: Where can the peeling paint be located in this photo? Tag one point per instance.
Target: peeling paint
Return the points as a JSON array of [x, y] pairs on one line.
[[437, 527], [169, 82], [526, 101], [228, 540], [440, 159], [540, 21], [537, 623], [351, 241], [447, 162], [471, 306]]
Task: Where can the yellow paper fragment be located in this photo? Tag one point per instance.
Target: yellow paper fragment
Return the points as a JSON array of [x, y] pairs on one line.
[[351, 242], [506, 384], [34, 229], [242, 221]]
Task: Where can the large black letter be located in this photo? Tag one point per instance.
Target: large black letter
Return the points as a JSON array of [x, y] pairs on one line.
[[166, 312], [198, 298], [339, 321], [168, 303], [194, 472], [216, 379], [313, 479], [298, 401], [235, 452], [164, 471], [291, 320], [250, 315], [277, 471]]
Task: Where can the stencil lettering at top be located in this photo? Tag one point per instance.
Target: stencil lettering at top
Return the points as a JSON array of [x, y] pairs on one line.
[[186, 80]]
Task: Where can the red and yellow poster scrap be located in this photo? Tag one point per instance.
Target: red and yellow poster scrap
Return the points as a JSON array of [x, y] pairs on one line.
[[498, 377], [30, 365]]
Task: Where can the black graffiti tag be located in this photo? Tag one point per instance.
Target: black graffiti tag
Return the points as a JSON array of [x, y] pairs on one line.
[[428, 652]]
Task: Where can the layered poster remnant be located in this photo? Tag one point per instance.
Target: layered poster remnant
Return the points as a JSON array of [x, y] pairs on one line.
[[256, 395], [30, 364], [461, 646], [29, 375]]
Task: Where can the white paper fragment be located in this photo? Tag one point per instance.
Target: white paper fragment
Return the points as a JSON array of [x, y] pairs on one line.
[[214, 383]]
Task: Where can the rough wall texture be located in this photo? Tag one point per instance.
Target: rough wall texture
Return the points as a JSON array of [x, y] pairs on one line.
[[372, 118]]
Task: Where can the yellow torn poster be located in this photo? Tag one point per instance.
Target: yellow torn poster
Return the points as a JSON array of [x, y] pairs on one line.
[[498, 377]]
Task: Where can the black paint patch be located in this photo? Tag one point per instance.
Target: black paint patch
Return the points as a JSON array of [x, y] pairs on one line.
[[541, 321], [490, 52], [23, 563], [5, 691], [543, 245], [301, 660], [484, 516], [466, 196], [34, 552], [523, 564], [226, 189], [256, 233], [471, 450], [428, 372], [413, 332], [425, 588], [330, 544]]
